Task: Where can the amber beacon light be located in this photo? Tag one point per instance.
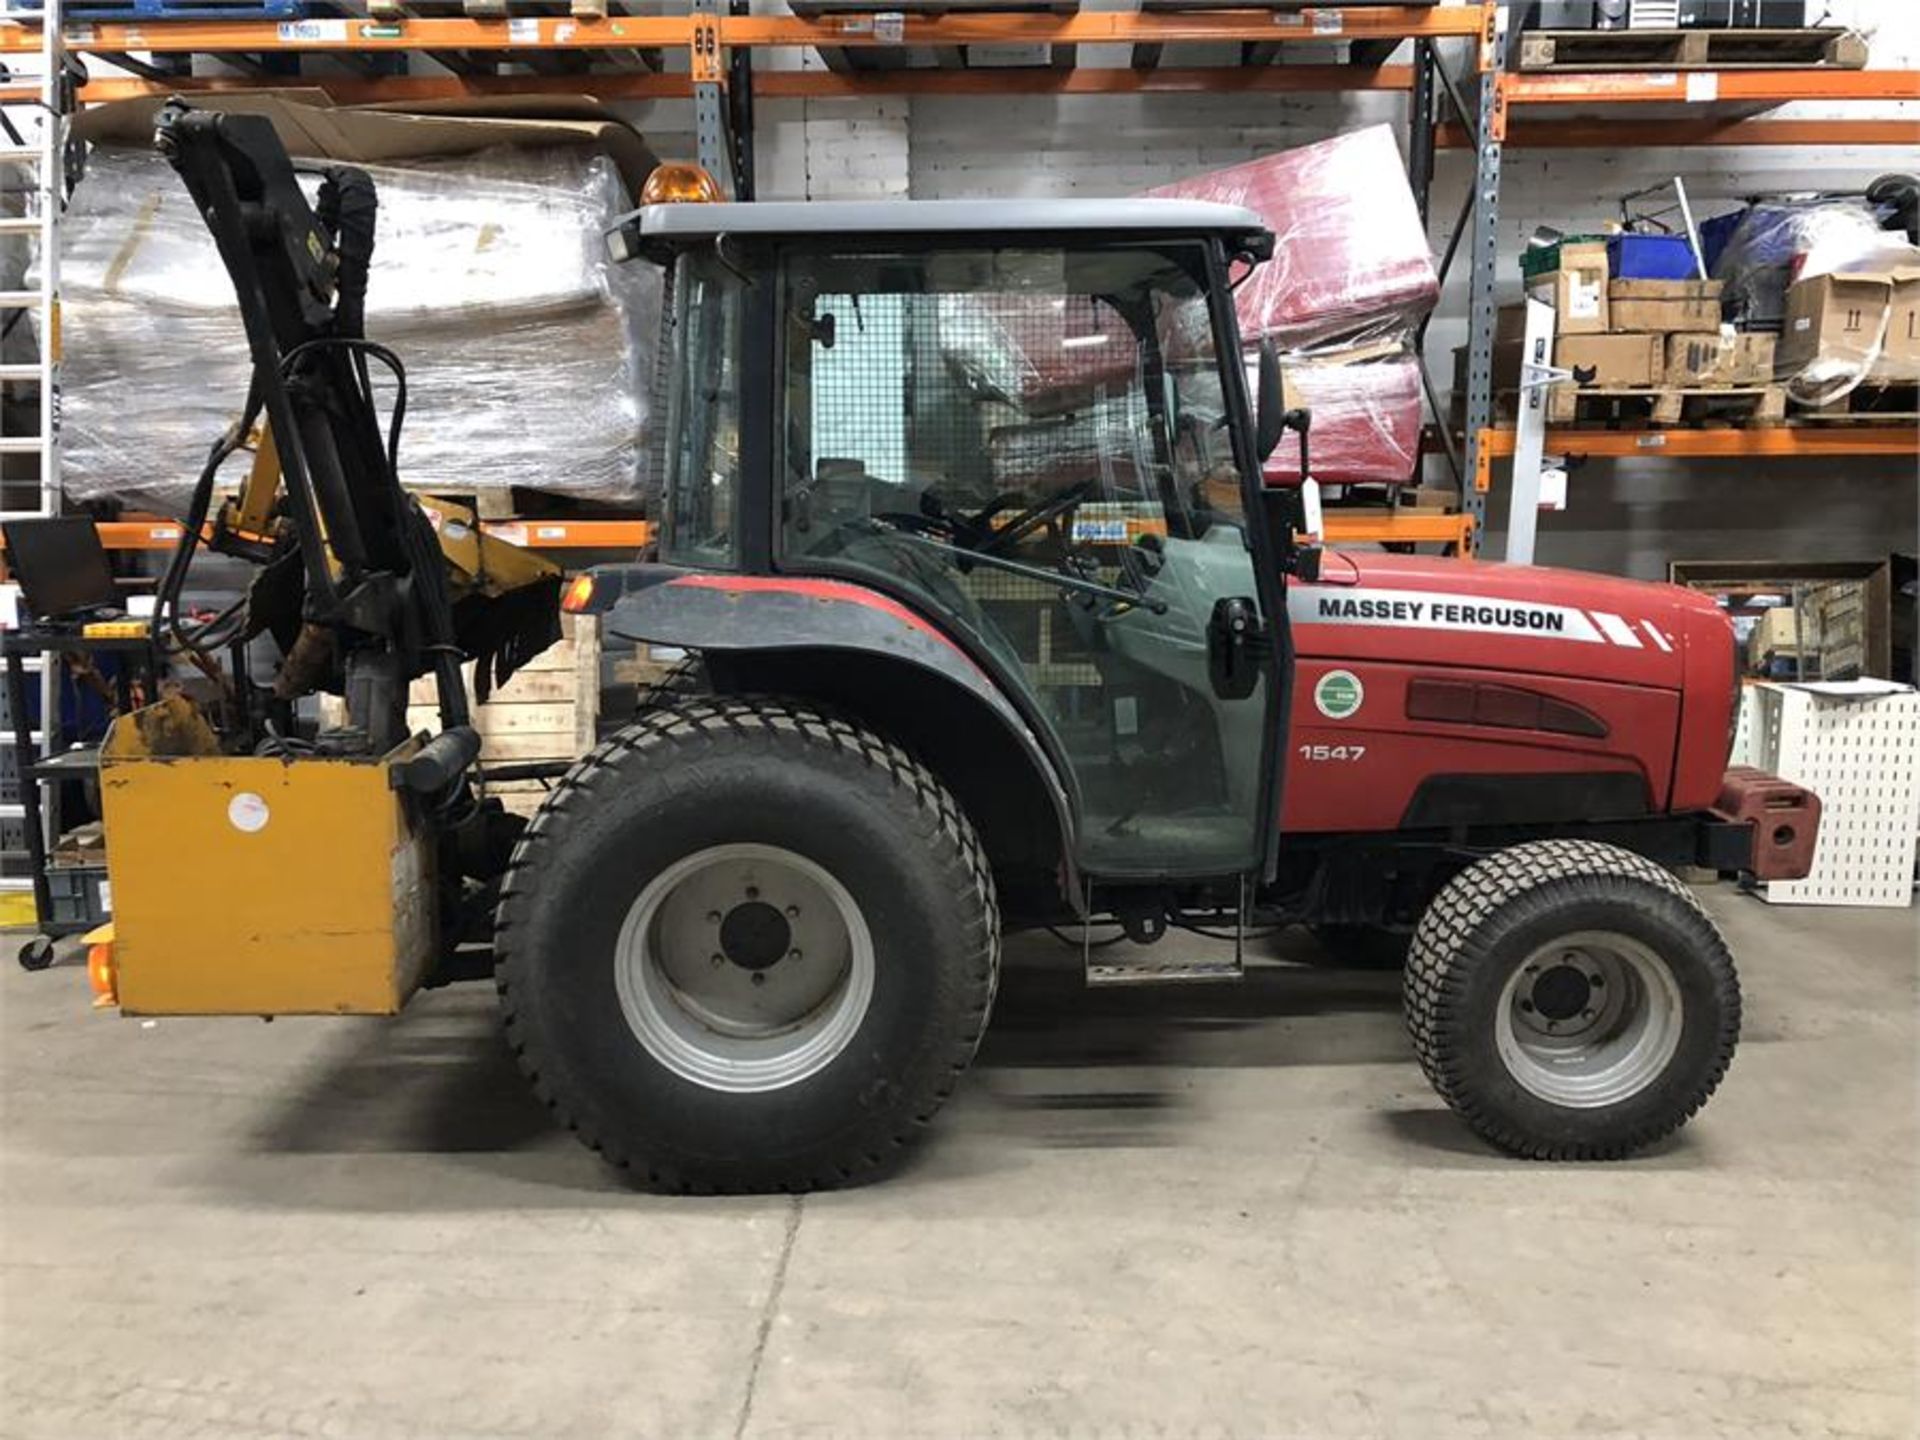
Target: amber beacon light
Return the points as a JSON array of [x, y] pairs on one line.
[[679, 184]]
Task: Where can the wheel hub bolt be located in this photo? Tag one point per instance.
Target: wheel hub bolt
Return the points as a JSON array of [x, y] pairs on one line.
[[793, 954], [713, 917], [1597, 980], [719, 959], [759, 977], [753, 892], [1527, 1006], [793, 912]]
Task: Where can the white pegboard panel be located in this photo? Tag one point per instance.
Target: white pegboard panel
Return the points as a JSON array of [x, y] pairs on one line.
[[1861, 756], [1746, 730]]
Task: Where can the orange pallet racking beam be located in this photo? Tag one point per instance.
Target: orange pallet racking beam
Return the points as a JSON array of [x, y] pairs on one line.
[[158, 533], [1696, 87], [1624, 134], [801, 84], [1780, 442]]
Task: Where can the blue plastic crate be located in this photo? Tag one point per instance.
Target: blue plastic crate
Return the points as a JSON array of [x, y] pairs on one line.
[[1650, 257], [83, 11]]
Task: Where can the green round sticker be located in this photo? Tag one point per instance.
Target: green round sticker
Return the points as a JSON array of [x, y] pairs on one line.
[[1339, 694]]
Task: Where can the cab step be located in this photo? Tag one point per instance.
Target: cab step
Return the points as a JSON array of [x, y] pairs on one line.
[[1162, 964]]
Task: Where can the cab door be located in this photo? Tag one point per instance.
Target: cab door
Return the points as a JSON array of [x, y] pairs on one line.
[[1043, 448]]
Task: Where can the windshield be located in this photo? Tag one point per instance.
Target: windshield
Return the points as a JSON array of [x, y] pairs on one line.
[[994, 427]]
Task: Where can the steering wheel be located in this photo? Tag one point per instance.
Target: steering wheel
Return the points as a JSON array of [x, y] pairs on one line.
[[995, 540]]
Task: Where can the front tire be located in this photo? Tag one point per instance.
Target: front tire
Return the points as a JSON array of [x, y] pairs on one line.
[[747, 945], [1571, 1000]]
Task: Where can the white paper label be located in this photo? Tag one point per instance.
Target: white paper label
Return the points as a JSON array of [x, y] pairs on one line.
[[106, 895], [1805, 322], [890, 27], [77, 34], [1310, 512], [1326, 22], [247, 813], [1583, 298], [1663, 78], [1651, 442], [313, 30], [1290, 19], [1553, 488], [523, 31], [1702, 86]]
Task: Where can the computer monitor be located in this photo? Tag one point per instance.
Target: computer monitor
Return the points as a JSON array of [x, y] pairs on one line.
[[61, 566]]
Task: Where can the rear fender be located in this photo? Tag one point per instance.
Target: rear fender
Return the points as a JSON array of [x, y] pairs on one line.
[[866, 654]]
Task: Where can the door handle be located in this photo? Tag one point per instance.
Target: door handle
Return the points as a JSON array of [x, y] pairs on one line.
[[1235, 641]]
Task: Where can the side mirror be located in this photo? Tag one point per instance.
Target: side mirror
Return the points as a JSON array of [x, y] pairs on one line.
[[1270, 411]]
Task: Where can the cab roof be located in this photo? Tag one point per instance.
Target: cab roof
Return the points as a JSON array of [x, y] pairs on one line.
[[658, 229]]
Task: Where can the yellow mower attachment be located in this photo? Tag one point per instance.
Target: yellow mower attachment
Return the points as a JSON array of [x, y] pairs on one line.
[[260, 886]]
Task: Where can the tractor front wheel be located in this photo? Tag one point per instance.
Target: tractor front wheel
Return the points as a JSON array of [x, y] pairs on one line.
[[1571, 1000], [747, 945]]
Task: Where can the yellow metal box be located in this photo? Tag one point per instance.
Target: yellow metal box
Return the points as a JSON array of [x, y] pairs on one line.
[[259, 886]]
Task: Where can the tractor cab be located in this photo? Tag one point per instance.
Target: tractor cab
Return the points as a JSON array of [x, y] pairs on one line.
[[1017, 439]]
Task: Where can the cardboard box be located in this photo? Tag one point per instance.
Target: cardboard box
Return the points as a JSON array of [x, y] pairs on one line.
[[1900, 352], [1833, 632], [1719, 358], [1776, 634], [1855, 323], [1665, 289], [1577, 289], [1663, 306], [1617, 362]]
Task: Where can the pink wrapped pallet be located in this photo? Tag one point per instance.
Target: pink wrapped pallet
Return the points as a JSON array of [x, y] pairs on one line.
[[1366, 419], [1351, 256]]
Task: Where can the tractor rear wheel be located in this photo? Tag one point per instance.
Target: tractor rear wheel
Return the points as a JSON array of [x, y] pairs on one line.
[[747, 945], [1571, 1000]]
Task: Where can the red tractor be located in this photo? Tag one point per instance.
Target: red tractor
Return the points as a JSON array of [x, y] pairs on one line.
[[992, 625]]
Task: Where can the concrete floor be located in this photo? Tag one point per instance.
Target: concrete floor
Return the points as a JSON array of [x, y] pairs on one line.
[[1212, 1212]]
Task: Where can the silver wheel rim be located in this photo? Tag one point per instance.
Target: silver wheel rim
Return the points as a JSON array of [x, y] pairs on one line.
[[744, 968], [1590, 1020]]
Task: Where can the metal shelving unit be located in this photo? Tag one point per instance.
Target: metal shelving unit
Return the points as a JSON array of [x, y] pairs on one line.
[[1460, 94], [32, 159]]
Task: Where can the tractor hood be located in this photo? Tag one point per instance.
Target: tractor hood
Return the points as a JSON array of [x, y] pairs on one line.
[[1505, 617]]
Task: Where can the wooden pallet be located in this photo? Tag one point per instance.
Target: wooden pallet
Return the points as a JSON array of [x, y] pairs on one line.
[[548, 710], [1811, 49], [1666, 406], [1868, 404]]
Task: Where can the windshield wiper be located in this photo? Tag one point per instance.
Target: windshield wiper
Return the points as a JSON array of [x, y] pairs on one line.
[[967, 557]]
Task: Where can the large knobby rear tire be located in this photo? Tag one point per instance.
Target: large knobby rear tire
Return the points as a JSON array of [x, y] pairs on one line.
[[747, 945], [1571, 1000]]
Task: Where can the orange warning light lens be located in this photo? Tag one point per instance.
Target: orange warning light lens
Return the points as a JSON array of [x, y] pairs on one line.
[[679, 184]]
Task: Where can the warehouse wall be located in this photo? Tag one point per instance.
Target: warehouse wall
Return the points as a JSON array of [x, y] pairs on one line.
[[1626, 518]]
